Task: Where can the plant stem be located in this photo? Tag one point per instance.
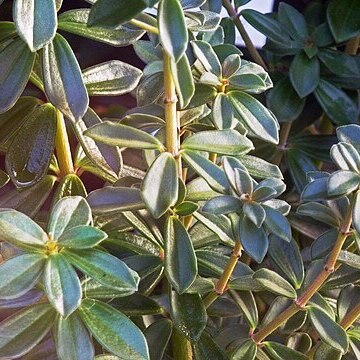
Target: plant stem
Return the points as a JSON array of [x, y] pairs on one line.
[[284, 135], [181, 346], [352, 45], [63, 152], [221, 284], [350, 317], [250, 46], [145, 26], [300, 303]]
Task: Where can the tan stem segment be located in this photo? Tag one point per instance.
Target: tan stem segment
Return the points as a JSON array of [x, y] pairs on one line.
[[301, 302], [181, 346], [63, 152]]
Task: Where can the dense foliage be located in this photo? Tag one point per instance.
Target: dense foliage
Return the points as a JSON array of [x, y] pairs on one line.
[[228, 226]]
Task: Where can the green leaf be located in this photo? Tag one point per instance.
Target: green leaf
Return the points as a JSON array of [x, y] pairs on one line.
[[274, 283], [349, 134], [203, 94], [63, 82], [114, 198], [223, 205], [172, 28], [318, 212], [25, 164], [136, 304], [35, 21], [116, 134], [207, 56], [254, 116], [111, 78], [82, 237], [268, 26], [325, 351], [231, 65], [19, 274], [62, 285], [109, 13], [284, 102], [255, 213], [22, 331], [75, 21], [336, 103], [107, 269], [113, 330], [157, 336], [348, 299], [277, 224], [222, 112], [279, 351], [329, 331], [304, 74], [16, 64], [243, 182], [207, 348], [72, 339], [259, 168], [19, 230], [343, 182], [68, 213], [227, 142], [188, 314], [186, 208], [343, 18], [183, 79], [356, 212], [159, 189], [345, 156], [211, 173], [70, 185], [245, 300], [180, 259], [253, 239], [245, 351]]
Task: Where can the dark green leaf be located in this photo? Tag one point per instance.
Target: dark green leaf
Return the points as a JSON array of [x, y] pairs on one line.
[[255, 213], [259, 168], [345, 157], [279, 352], [207, 56], [277, 224], [343, 182], [160, 185], [207, 348], [82, 237], [180, 259], [35, 21], [245, 300], [245, 351], [348, 299], [70, 185], [319, 212], [223, 205], [294, 22], [157, 336], [222, 112], [325, 351], [113, 330], [63, 83]]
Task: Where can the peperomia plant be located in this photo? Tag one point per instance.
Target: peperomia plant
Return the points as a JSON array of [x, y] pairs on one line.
[[224, 222]]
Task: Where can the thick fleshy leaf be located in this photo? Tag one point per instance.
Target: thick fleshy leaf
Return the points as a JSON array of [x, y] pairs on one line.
[[35, 21], [109, 13], [280, 351], [222, 112], [207, 348], [111, 78], [72, 339], [113, 330], [356, 212], [70, 185], [25, 164], [22, 331], [294, 22], [172, 27], [255, 116], [227, 142], [349, 134], [62, 285], [180, 259], [245, 351], [116, 134], [255, 213], [67, 213], [19, 274], [319, 212], [157, 336], [277, 224], [104, 268], [343, 19], [82, 237], [188, 314], [329, 331], [304, 74], [75, 21], [223, 205], [345, 157], [160, 186], [274, 283], [336, 103], [343, 182], [63, 82], [349, 297], [207, 56], [19, 230], [113, 198], [16, 64]]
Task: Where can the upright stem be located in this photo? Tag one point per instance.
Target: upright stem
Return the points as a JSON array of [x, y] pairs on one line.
[[181, 346], [301, 302], [284, 135], [249, 45], [62, 146]]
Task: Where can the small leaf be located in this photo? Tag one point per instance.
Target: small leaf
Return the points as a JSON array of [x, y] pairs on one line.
[[22, 331], [157, 336], [348, 299], [35, 21], [245, 351], [207, 348], [113, 330], [280, 351], [343, 182], [188, 314], [72, 339], [111, 78], [62, 285], [160, 185], [68, 213], [116, 134], [16, 64], [255, 213], [345, 157], [277, 224], [172, 28], [186, 208], [70, 185], [207, 56], [356, 212], [329, 331], [294, 22], [223, 205], [63, 82], [304, 74], [19, 274], [180, 259], [222, 112]]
